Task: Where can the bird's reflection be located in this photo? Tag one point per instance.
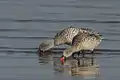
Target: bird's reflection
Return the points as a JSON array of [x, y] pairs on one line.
[[81, 67], [86, 68], [45, 57]]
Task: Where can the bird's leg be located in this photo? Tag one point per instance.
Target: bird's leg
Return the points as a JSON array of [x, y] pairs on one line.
[[92, 59], [78, 62], [83, 62], [83, 55], [73, 56], [76, 55], [79, 53]]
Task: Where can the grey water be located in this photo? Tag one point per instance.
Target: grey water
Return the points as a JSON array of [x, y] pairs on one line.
[[24, 24]]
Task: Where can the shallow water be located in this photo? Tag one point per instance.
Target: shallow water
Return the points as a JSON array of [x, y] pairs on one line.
[[24, 24]]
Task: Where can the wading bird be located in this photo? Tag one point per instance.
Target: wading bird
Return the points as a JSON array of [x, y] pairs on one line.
[[64, 37], [82, 41]]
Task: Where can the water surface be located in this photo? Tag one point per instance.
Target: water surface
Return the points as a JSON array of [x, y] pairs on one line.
[[24, 24]]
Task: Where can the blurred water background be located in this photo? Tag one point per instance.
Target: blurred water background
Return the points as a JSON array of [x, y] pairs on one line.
[[24, 24]]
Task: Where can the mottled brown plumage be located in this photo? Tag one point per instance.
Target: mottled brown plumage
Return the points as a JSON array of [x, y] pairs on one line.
[[83, 41], [65, 37]]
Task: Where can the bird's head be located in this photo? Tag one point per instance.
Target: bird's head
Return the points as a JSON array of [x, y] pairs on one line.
[[67, 53]]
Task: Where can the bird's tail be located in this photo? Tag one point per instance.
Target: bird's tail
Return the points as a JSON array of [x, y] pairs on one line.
[[46, 45]]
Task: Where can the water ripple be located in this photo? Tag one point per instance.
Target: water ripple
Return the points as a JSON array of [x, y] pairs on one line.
[[32, 37], [110, 14], [111, 33], [75, 6], [27, 30], [3, 47], [111, 40], [57, 20]]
